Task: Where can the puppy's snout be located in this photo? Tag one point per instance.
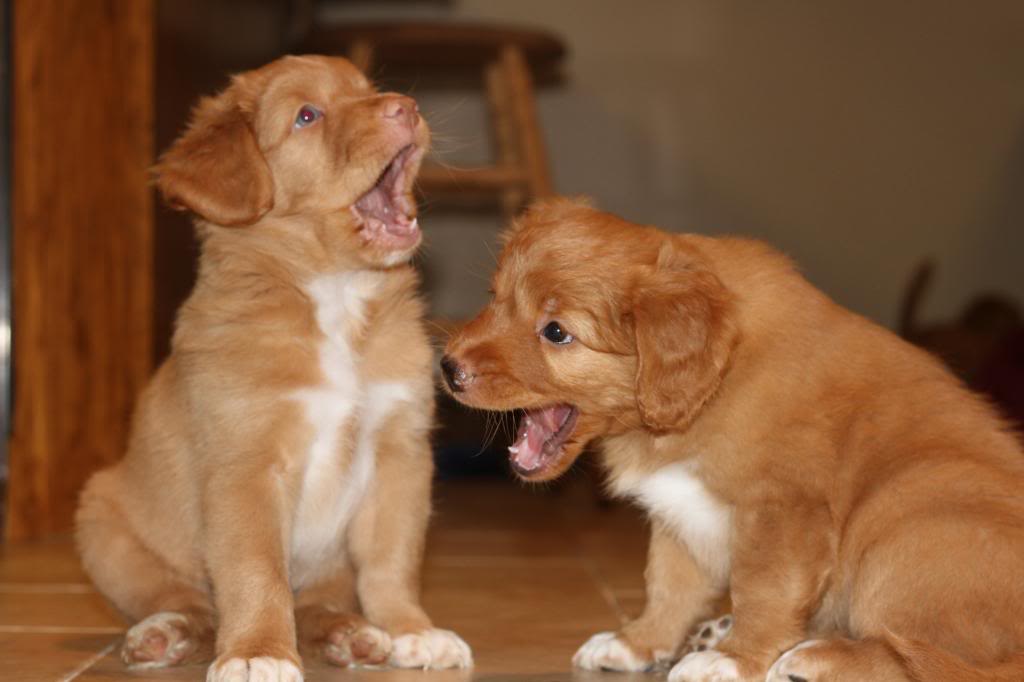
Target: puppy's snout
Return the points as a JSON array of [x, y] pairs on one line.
[[454, 374], [402, 110]]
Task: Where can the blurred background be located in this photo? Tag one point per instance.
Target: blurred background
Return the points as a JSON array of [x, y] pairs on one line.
[[880, 144]]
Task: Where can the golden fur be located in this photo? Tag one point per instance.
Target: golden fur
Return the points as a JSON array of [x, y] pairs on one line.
[[838, 482], [299, 359]]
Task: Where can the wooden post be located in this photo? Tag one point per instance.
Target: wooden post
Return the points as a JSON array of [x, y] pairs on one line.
[[505, 135], [520, 86], [361, 56], [82, 245]]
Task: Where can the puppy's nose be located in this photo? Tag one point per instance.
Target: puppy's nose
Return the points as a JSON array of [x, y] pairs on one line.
[[454, 375], [401, 109]]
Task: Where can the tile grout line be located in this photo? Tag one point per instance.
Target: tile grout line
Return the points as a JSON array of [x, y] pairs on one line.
[[46, 588], [60, 630], [93, 660]]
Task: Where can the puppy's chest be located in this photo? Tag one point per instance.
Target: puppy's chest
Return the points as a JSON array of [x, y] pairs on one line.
[[677, 497], [344, 412]]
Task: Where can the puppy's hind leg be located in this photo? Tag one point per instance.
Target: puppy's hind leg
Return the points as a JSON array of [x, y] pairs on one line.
[[838, 660], [175, 619]]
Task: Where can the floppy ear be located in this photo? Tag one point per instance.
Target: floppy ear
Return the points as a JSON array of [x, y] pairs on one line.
[[215, 169], [685, 332]]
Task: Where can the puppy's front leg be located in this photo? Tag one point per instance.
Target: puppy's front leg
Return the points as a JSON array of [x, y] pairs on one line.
[[679, 594], [387, 540], [780, 568], [245, 540]]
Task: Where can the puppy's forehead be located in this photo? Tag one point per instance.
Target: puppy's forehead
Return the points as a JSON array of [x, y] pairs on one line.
[[537, 283], [316, 77]]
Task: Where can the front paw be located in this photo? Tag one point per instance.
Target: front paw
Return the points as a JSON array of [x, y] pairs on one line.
[[430, 650], [608, 651], [259, 669], [706, 666]]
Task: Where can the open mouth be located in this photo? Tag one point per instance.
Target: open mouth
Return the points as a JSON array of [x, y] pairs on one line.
[[542, 434], [386, 212]]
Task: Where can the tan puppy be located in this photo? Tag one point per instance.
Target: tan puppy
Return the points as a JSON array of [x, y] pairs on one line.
[[278, 472], [841, 483]]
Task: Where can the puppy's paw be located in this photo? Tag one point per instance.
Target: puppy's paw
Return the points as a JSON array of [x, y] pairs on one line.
[[705, 666], [361, 644], [159, 640], [796, 665], [432, 649], [260, 669], [606, 651], [708, 635]]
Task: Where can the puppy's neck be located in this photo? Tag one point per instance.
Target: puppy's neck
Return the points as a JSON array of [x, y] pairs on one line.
[[302, 246]]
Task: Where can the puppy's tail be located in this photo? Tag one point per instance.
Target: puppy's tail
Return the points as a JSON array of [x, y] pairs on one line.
[[926, 663]]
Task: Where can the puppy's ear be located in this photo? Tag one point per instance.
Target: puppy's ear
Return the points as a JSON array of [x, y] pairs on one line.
[[215, 169], [685, 332]]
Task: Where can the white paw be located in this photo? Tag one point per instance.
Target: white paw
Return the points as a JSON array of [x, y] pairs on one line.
[[705, 666], [432, 649], [156, 641], [605, 651], [788, 664], [262, 669], [709, 634]]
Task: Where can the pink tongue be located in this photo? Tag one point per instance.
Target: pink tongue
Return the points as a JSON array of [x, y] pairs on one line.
[[378, 205], [535, 429]]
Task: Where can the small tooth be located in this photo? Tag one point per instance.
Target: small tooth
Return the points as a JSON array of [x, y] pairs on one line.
[[513, 449], [415, 224]]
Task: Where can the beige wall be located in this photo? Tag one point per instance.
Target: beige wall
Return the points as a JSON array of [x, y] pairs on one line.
[[858, 136]]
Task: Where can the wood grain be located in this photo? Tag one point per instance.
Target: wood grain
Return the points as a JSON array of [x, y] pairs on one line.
[[82, 245]]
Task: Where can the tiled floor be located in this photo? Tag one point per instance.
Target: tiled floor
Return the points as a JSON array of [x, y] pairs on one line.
[[524, 575]]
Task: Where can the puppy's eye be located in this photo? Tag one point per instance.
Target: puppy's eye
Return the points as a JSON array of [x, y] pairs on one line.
[[307, 115], [554, 333]]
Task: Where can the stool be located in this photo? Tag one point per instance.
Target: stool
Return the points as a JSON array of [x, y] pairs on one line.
[[510, 60]]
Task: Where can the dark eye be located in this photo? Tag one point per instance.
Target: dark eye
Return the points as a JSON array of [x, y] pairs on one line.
[[307, 115], [554, 333]]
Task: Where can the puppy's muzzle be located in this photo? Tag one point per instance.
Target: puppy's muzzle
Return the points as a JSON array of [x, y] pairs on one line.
[[454, 375]]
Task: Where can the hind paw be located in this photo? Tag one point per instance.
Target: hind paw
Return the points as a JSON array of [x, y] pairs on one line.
[[360, 645], [160, 640], [708, 635], [796, 665]]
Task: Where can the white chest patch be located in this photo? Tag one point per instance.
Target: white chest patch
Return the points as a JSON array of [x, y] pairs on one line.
[[678, 498], [342, 406]]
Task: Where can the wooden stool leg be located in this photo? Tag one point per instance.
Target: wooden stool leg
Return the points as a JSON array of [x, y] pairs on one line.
[[504, 129], [361, 55], [524, 109]]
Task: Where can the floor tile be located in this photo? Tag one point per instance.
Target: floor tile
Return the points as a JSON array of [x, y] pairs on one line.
[[523, 574], [52, 561], [36, 656], [85, 611]]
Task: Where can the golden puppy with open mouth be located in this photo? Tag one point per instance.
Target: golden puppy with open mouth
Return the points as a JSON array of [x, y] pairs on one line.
[[862, 508], [276, 487]]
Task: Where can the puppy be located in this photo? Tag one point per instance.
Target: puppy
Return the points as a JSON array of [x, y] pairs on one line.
[[278, 471], [863, 508]]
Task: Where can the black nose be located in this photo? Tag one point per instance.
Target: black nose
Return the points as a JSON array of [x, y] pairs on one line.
[[453, 376]]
